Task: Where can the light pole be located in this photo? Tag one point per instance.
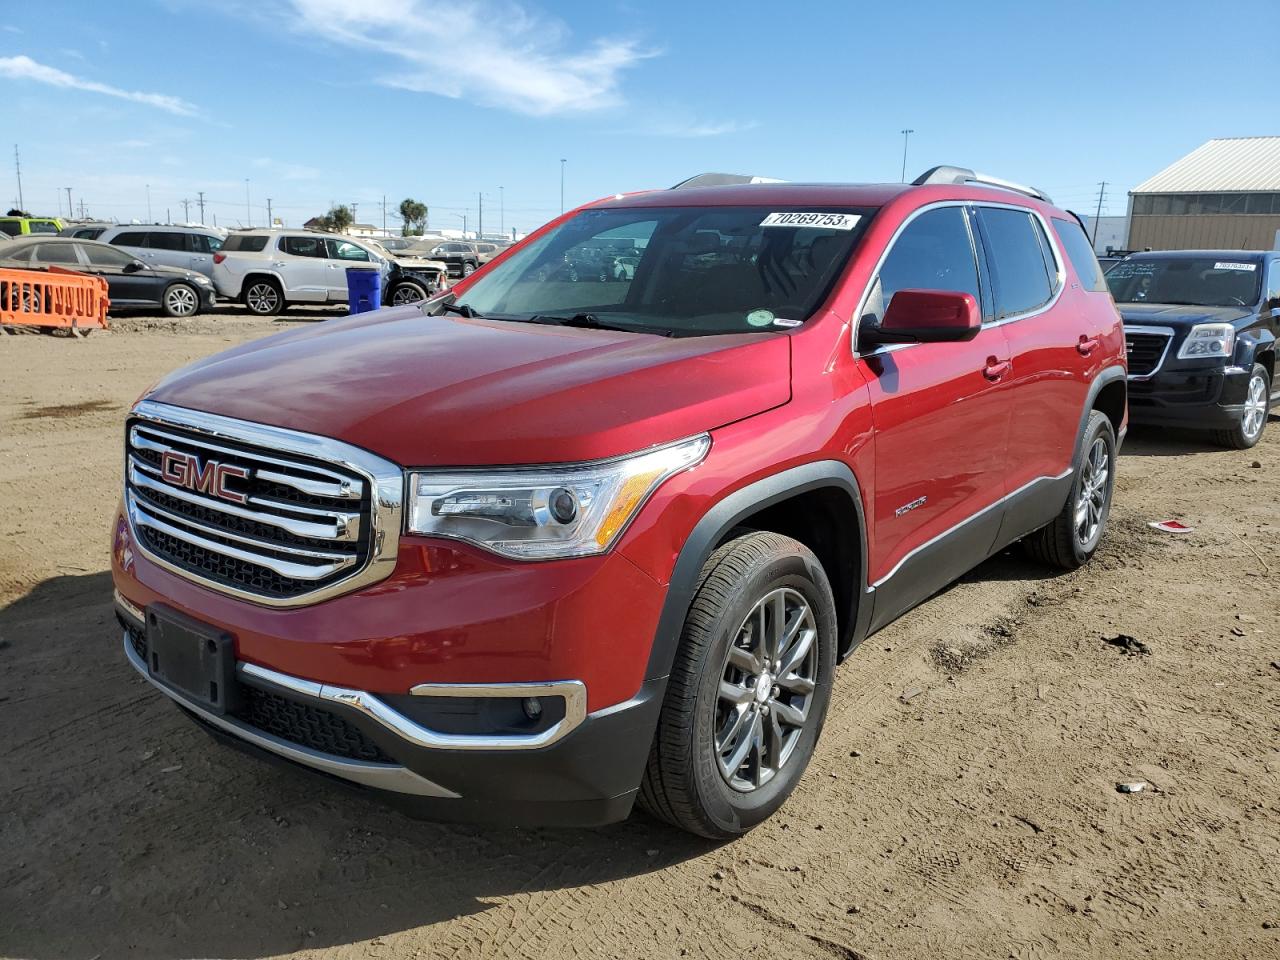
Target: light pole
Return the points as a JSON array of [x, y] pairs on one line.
[[562, 163], [502, 211], [70, 212], [906, 135], [463, 218], [148, 203], [248, 217]]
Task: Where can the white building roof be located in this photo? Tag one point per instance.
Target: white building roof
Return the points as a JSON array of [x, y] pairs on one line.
[[1236, 164]]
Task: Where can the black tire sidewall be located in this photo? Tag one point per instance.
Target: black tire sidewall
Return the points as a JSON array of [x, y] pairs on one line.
[[731, 811], [1100, 426], [1246, 442], [164, 301], [414, 284]]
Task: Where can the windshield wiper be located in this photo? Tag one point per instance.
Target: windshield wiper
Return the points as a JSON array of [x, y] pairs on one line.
[[592, 322], [462, 309]]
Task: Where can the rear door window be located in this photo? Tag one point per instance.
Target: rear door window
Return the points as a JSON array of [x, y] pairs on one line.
[[1017, 254], [62, 254], [168, 240], [134, 238], [303, 246]]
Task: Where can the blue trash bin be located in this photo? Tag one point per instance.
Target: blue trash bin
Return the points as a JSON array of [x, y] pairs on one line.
[[364, 289]]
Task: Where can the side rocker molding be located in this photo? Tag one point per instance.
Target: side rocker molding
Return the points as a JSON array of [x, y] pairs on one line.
[[729, 513]]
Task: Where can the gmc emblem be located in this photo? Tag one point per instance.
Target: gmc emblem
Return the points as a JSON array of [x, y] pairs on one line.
[[186, 470]]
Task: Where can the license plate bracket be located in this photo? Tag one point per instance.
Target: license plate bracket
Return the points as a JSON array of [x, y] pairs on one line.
[[195, 659]]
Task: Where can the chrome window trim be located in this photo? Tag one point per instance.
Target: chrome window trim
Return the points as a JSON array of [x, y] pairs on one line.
[[969, 519], [1159, 331], [386, 501], [856, 319], [382, 776]]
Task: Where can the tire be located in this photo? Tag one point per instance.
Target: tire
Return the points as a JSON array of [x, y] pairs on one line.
[[406, 292], [1075, 533], [698, 776], [1253, 419], [468, 269], [263, 297], [180, 300]]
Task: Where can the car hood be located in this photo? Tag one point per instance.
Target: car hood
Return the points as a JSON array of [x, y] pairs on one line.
[[420, 263], [436, 391], [1179, 316]]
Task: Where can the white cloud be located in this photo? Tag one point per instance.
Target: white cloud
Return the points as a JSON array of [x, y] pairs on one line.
[[24, 68], [286, 171], [699, 128], [493, 52]]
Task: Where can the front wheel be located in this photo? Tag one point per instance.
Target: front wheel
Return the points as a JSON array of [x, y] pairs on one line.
[[468, 269], [1074, 535], [748, 691], [181, 300], [408, 291], [1253, 418]]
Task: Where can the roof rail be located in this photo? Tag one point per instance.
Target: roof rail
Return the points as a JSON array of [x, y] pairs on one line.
[[721, 180], [946, 174]]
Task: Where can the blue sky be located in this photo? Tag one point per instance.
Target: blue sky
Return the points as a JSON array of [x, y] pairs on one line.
[[323, 101]]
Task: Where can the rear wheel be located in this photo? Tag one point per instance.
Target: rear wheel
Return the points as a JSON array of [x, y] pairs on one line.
[[180, 300], [1073, 536], [262, 297], [748, 691], [468, 269], [1253, 418]]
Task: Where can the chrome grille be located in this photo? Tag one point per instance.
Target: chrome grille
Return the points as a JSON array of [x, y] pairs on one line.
[[1146, 347], [287, 525]]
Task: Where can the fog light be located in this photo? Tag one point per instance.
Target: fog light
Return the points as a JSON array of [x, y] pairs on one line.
[[532, 707]]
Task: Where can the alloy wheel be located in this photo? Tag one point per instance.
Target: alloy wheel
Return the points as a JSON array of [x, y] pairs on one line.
[[262, 298], [181, 301], [1255, 407], [406, 293], [767, 681], [1091, 503]]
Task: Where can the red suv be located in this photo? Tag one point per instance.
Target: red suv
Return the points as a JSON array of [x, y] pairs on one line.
[[543, 546]]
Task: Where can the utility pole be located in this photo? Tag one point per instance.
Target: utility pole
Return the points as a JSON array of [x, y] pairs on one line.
[[70, 209], [186, 210], [906, 135], [384, 214], [148, 203], [1102, 194], [502, 211], [562, 163], [167, 219], [480, 222], [248, 217], [200, 194], [17, 166], [354, 205], [81, 207], [270, 223]]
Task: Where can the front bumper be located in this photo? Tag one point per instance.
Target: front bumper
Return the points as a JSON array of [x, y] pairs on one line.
[[580, 770], [1200, 398]]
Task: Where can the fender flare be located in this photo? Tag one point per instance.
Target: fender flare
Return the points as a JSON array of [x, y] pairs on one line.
[[271, 274], [1107, 375], [1256, 341], [728, 513]]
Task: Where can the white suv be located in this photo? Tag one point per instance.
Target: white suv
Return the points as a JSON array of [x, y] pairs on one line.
[[270, 269]]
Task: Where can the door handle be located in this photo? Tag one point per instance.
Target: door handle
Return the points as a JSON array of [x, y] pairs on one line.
[[1087, 345], [996, 369], [279, 263]]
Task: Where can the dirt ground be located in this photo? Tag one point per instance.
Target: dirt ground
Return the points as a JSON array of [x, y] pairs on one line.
[[962, 803]]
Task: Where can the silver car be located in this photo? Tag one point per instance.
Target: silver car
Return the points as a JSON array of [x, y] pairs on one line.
[[188, 248]]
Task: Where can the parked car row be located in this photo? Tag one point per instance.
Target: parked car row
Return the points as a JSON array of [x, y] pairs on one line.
[[173, 267]]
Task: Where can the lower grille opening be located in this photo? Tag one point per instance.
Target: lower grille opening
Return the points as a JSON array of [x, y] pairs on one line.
[[306, 725]]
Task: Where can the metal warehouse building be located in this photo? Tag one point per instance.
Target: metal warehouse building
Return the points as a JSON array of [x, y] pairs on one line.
[[1225, 194]]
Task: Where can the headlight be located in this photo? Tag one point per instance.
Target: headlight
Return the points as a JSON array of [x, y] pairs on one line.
[[545, 513], [1208, 340], [201, 278]]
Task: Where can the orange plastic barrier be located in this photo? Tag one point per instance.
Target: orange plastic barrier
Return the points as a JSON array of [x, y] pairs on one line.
[[53, 298]]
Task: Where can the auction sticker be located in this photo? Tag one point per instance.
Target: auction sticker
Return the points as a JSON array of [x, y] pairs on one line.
[[760, 318], [1228, 265], [825, 221]]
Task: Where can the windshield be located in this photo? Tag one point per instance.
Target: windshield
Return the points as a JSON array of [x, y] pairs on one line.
[[687, 271], [1193, 281]]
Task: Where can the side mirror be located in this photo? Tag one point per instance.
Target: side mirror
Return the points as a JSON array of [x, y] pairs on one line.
[[134, 266], [926, 316]]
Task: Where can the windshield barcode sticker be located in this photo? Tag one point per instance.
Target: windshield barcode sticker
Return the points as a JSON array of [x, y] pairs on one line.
[[823, 221], [1228, 265]]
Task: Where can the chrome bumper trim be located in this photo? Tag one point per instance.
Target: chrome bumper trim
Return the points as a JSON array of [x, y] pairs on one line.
[[380, 776]]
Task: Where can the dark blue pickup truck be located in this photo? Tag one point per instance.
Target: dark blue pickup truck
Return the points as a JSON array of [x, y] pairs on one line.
[[1201, 329]]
